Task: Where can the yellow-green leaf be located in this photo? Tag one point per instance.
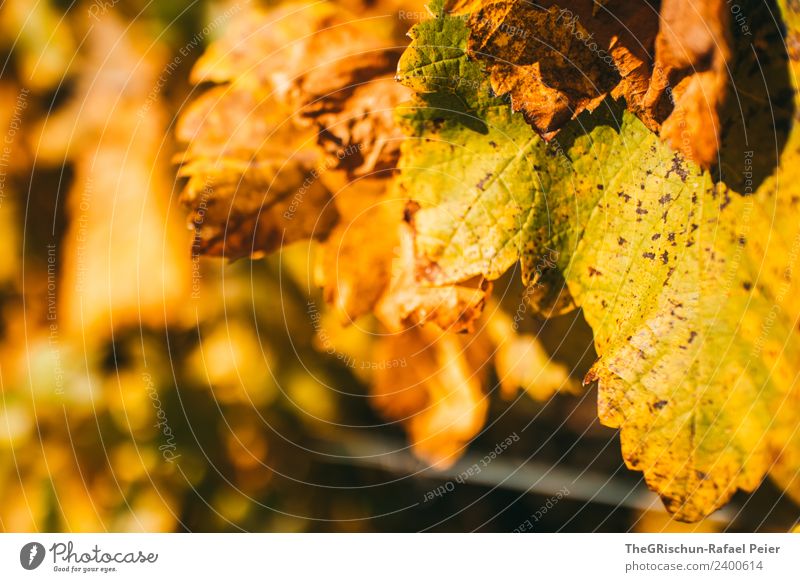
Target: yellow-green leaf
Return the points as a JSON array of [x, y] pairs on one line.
[[689, 286]]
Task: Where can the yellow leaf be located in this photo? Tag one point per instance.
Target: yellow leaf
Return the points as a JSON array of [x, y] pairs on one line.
[[356, 260]]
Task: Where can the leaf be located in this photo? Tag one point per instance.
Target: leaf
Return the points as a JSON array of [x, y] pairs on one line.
[[554, 75], [432, 382], [355, 122], [253, 177], [260, 42], [410, 300], [369, 264], [557, 59], [760, 113], [331, 70], [348, 93], [356, 261], [255, 184], [474, 149], [693, 45], [289, 77], [686, 284]]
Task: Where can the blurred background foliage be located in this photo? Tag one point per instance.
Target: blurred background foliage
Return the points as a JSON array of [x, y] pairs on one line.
[[144, 389]]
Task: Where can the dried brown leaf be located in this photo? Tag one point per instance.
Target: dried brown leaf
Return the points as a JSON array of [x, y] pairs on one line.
[[557, 59], [294, 76], [254, 177], [356, 124], [333, 69], [692, 51], [345, 89]]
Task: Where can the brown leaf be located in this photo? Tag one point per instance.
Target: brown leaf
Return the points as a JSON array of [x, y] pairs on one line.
[[557, 59], [356, 124], [246, 213], [293, 76], [259, 45], [348, 93], [692, 51], [332, 69], [254, 177]]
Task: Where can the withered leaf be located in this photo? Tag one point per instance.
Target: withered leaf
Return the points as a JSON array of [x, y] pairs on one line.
[[691, 56], [254, 177], [293, 76], [556, 59], [348, 93], [257, 187], [356, 126], [330, 68]]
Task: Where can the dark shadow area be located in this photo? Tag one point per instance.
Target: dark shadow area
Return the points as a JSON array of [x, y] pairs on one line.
[[758, 110]]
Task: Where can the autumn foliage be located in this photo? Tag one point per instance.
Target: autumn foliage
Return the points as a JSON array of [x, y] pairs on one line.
[[673, 282], [428, 186]]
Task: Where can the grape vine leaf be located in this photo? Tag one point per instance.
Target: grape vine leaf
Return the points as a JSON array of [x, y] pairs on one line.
[[688, 286], [436, 391], [301, 90], [331, 69], [558, 58], [250, 174]]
